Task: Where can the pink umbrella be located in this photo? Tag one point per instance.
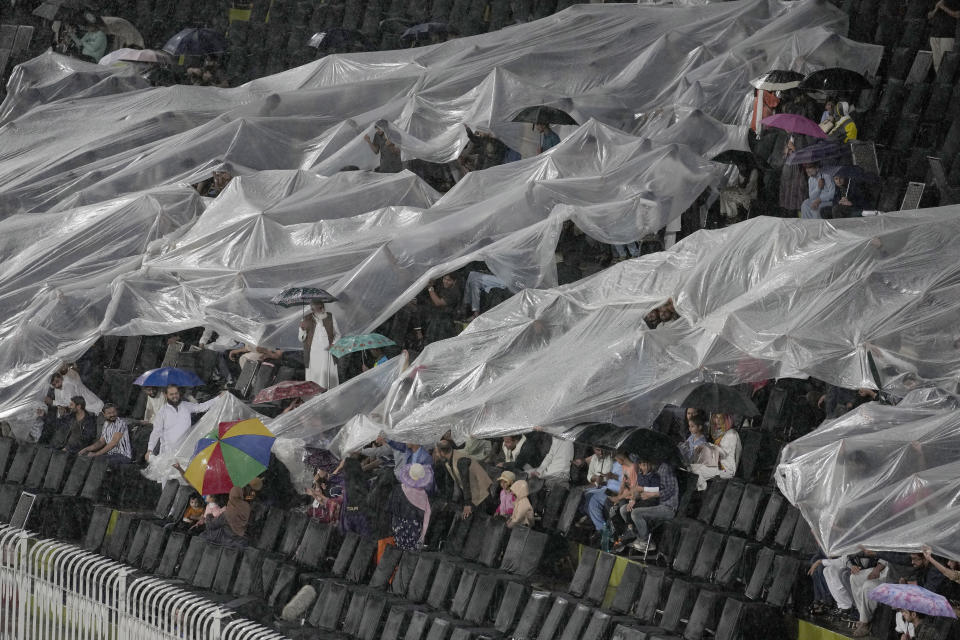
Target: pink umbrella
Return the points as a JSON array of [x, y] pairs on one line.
[[913, 598], [794, 124]]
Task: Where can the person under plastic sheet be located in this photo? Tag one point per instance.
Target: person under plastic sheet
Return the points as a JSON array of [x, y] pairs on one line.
[[66, 384], [93, 44], [820, 191], [554, 469], [719, 457], [479, 282], [519, 453], [842, 127], [548, 137], [484, 150], [173, 421], [886, 567], [470, 479], [114, 440], [439, 309], [386, 144], [214, 186], [653, 500], [318, 332], [740, 194], [409, 505], [849, 199]]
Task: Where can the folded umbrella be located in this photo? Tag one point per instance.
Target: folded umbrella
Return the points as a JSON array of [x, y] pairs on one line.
[[196, 42], [914, 598], [719, 398], [301, 296], [777, 80], [794, 124], [829, 151], [288, 389], [349, 344], [542, 114], [231, 455], [169, 375], [835, 79]]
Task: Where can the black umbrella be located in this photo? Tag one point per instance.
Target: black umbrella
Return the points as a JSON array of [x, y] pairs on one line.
[[542, 114], [719, 398], [737, 157], [835, 79], [301, 295], [777, 80], [640, 440], [336, 38], [55, 9], [854, 172]]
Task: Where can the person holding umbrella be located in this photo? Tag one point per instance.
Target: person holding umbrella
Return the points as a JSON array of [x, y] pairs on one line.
[[820, 189], [173, 421], [93, 44], [548, 137], [385, 144], [316, 345]]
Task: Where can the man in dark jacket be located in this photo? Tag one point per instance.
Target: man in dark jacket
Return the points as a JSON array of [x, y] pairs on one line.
[[77, 429], [520, 451]]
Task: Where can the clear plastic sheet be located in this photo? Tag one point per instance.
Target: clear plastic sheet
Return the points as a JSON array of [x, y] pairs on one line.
[[885, 477], [659, 90], [765, 298]]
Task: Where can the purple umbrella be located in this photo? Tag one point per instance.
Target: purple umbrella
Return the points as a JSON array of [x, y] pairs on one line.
[[794, 124], [828, 151], [913, 598]]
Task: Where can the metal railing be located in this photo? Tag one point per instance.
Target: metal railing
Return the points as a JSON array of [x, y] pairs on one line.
[[50, 590]]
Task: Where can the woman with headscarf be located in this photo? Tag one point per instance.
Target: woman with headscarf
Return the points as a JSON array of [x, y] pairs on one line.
[[409, 506], [844, 128], [720, 457], [230, 527]]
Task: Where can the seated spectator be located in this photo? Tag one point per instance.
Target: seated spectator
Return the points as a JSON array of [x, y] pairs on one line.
[[888, 567], [628, 480], [599, 467], [842, 128], [230, 527], [477, 448], [836, 575], [522, 509], [93, 44], [470, 479], [595, 499], [828, 113], [820, 191], [67, 384], [721, 457], [77, 429], [155, 402], [114, 440], [923, 629], [554, 469], [655, 499], [439, 310], [519, 453], [505, 508], [691, 447], [740, 194], [409, 506], [621, 251], [193, 514], [548, 137], [324, 507], [849, 201], [929, 574], [208, 75], [477, 283]]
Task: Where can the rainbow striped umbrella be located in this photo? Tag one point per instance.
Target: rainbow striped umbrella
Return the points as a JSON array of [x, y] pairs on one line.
[[229, 456]]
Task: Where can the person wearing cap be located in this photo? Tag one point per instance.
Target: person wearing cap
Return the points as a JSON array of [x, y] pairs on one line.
[[386, 144], [506, 480], [409, 506]]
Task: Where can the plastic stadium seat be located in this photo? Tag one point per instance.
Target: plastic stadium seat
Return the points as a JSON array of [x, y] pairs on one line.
[[746, 518], [705, 614], [138, 543], [207, 567], [538, 605], [786, 568], [730, 568], [708, 556], [38, 468], [917, 98], [312, 549], [761, 574], [727, 508], [556, 618], [654, 585], [404, 572], [512, 604], [247, 581], [226, 569], [167, 496], [293, 530], [584, 573], [362, 560], [524, 551], [571, 509], [601, 578], [123, 531], [156, 539], [283, 585], [330, 606], [772, 512], [688, 547], [57, 471], [577, 622], [683, 595], [97, 528], [20, 466], [419, 587], [8, 447], [710, 499], [197, 549], [385, 568], [891, 100], [787, 525]]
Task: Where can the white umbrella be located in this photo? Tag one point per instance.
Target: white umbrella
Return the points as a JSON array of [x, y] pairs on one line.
[[135, 55], [125, 32]]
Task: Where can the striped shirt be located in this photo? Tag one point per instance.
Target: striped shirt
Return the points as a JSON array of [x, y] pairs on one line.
[[110, 429]]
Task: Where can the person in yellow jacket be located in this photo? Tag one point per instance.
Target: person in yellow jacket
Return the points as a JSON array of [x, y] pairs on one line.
[[844, 128]]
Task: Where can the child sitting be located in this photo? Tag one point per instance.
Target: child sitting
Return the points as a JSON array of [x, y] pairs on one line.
[[194, 512], [506, 496], [522, 509]]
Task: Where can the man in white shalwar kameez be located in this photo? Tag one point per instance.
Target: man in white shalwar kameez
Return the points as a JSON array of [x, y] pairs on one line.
[[66, 384], [318, 332]]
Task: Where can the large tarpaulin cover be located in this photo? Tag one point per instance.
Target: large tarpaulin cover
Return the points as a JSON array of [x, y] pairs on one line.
[[101, 234], [885, 477]]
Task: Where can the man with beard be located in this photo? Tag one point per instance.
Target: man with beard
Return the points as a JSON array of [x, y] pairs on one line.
[[173, 421], [78, 428]]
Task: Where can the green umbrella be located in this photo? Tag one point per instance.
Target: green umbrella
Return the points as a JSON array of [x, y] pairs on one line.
[[349, 344]]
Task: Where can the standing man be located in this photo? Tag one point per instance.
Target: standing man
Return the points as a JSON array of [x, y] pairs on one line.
[[114, 441], [386, 144], [173, 421], [943, 28], [470, 478]]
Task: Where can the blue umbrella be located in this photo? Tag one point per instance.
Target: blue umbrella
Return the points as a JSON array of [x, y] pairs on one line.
[[169, 375], [196, 42]]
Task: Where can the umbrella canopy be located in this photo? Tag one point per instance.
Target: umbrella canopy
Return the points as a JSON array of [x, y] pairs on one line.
[[719, 398], [777, 80], [913, 597], [125, 33], [169, 375], [196, 42], [794, 124], [737, 157], [828, 151], [424, 29], [300, 296], [336, 38], [853, 172], [349, 344], [288, 389], [835, 80], [136, 55], [639, 440], [230, 456], [542, 114], [56, 9]]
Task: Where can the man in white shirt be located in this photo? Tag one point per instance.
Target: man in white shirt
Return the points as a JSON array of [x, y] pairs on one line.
[[67, 384], [223, 345], [173, 421], [555, 468]]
